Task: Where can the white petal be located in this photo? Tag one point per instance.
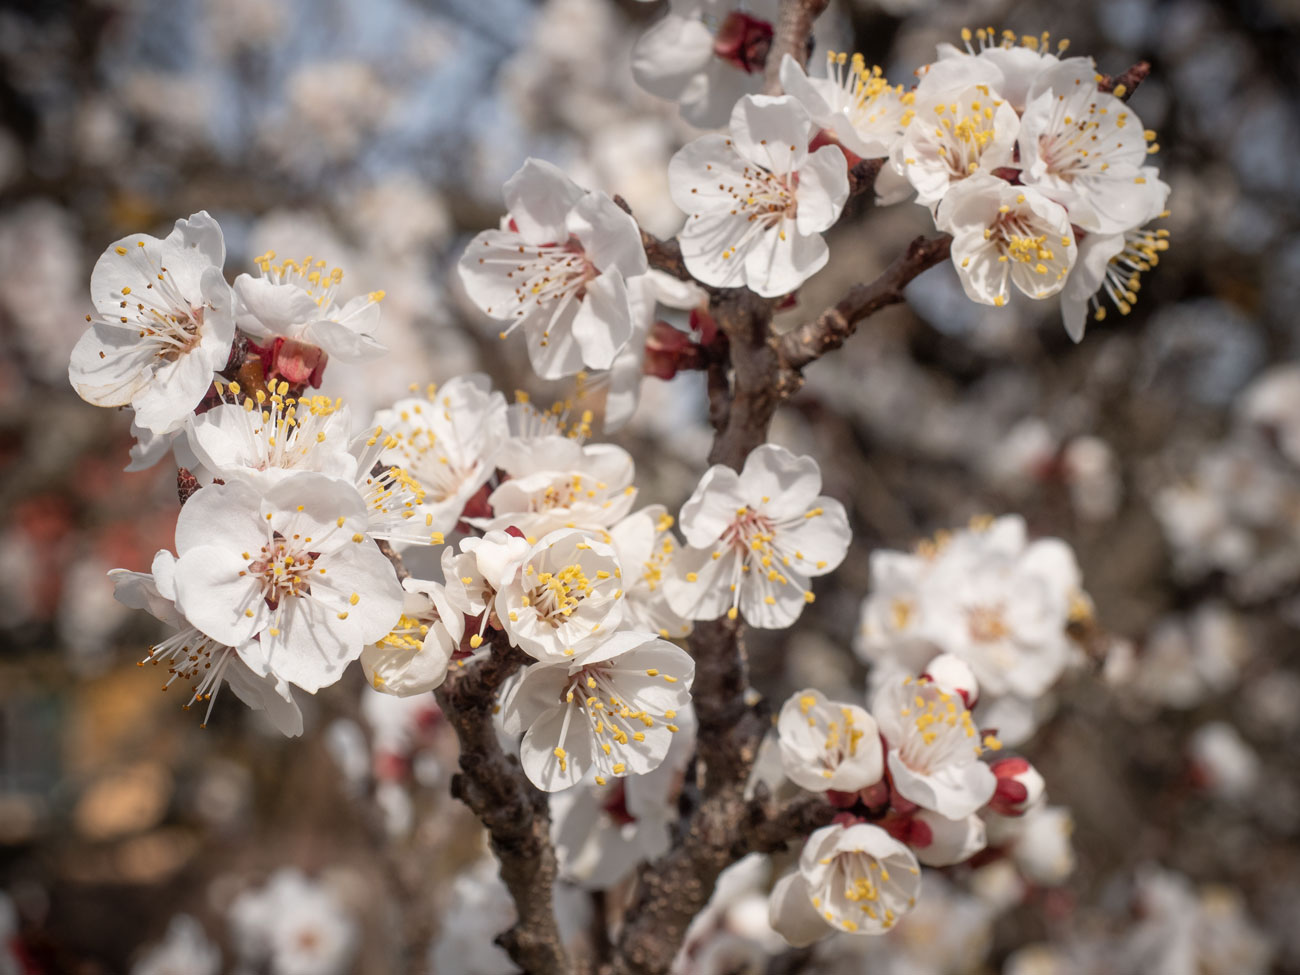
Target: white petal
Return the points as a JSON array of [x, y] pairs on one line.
[[791, 914], [823, 190], [539, 197]]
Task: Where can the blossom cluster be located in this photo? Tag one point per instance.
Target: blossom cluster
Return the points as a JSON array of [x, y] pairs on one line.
[[279, 580], [913, 789], [1030, 160], [977, 612]]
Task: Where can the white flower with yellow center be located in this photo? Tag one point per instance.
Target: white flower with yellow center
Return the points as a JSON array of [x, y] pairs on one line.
[[757, 201], [565, 596], [825, 745], [476, 572], [854, 103], [163, 326], [1110, 266], [557, 482], [755, 538], [295, 301], [1017, 62], [610, 712], [558, 270], [1005, 235], [646, 548], [961, 126], [413, 658], [284, 572], [1002, 604], [857, 879], [1086, 149], [273, 434], [934, 747], [193, 658], [447, 442]]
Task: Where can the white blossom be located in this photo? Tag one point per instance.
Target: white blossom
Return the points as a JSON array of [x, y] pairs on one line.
[[825, 745], [284, 572], [195, 658], [758, 201], [294, 925], [1086, 150], [447, 442], [934, 748], [1004, 235], [609, 712], [1015, 64], [856, 105], [646, 549], [294, 302], [273, 434], [755, 538], [1109, 266], [856, 878], [949, 841], [413, 658], [558, 270], [986, 595], [961, 127], [565, 595], [477, 570], [556, 482], [163, 326]]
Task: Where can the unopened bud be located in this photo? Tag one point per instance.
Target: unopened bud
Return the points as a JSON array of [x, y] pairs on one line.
[[953, 674], [1019, 789]]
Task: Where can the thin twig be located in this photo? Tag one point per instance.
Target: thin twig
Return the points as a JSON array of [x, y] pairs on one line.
[[829, 330]]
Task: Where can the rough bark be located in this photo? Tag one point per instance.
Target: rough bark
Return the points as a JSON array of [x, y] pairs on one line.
[[515, 813]]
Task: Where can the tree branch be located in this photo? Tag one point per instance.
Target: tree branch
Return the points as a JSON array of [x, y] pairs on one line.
[[829, 331], [515, 813], [663, 255], [792, 34], [723, 829]]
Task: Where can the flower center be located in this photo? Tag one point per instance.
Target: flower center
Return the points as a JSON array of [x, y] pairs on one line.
[[986, 624], [942, 728], [555, 596], [284, 571]]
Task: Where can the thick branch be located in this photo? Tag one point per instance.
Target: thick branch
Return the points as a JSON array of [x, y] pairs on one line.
[[792, 34], [725, 828], [515, 813], [829, 331]]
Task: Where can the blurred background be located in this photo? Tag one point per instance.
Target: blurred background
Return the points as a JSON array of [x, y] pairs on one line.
[[376, 134]]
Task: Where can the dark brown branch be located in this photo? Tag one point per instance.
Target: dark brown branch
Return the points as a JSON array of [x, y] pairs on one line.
[[663, 255], [1123, 85], [829, 331], [793, 30], [515, 813], [862, 176], [723, 829]]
